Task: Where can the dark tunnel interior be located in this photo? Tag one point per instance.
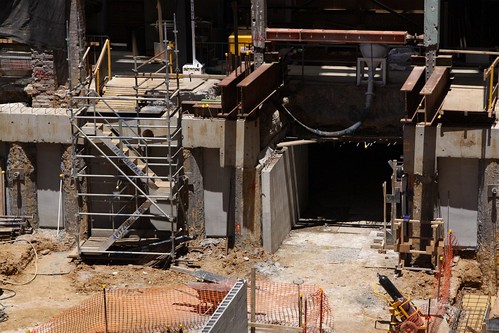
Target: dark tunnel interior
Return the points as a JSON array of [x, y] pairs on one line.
[[346, 180]]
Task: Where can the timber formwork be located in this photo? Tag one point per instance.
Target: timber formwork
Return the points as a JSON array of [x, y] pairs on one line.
[[128, 165]]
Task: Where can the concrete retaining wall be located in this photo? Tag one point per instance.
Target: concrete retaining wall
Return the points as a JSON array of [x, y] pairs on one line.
[[19, 123], [284, 194], [231, 315]]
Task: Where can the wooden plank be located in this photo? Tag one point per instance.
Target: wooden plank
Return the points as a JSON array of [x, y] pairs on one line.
[[275, 328]]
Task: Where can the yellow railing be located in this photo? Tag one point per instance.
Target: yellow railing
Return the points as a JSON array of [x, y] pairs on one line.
[[101, 78], [490, 95]]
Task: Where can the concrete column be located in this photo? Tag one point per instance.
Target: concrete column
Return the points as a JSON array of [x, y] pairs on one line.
[[421, 154], [247, 150]]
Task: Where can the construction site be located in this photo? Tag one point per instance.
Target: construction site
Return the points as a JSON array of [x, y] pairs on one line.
[[249, 166]]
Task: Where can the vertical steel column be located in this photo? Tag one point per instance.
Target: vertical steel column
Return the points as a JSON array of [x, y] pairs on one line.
[[258, 25], [431, 33]]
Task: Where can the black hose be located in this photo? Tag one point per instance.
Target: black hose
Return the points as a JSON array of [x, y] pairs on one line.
[[348, 130]]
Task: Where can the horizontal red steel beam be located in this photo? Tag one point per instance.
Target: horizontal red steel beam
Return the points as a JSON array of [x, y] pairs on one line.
[[336, 36]]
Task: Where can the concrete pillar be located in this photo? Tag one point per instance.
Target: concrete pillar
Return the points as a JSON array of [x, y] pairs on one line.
[[419, 163], [247, 150]]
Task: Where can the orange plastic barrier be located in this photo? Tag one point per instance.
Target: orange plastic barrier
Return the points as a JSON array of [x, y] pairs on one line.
[[188, 307]]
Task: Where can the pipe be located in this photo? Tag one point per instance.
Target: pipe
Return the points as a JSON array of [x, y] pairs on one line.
[[350, 130], [410, 310], [193, 34]]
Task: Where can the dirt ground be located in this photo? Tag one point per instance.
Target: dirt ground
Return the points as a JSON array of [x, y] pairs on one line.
[[338, 259]]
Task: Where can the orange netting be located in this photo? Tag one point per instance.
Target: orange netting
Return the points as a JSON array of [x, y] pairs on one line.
[[283, 303], [189, 307], [440, 296]]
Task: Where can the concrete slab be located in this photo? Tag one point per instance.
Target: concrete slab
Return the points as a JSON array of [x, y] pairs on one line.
[[38, 124], [344, 265], [466, 91], [464, 98]]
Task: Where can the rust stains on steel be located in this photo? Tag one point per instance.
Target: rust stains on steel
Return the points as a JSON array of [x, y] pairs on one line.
[[258, 86], [336, 36], [434, 92], [228, 87], [411, 88]]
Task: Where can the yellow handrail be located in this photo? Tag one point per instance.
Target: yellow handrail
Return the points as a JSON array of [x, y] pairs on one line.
[[106, 49], [489, 74]]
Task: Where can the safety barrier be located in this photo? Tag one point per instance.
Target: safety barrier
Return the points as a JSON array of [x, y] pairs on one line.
[[440, 298], [188, 307], [102, 69], [490, 86]]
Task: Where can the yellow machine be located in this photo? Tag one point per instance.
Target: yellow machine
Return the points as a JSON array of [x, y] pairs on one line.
[[405, 316], [244, 41]]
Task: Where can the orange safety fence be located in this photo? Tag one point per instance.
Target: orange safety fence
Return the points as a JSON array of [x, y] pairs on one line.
[[440, 298], [189, 307], [284, 303]]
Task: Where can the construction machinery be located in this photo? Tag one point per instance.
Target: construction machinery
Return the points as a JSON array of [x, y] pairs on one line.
[[405, 316]]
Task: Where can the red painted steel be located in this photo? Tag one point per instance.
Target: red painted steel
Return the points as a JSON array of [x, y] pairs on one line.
[[336, 36]]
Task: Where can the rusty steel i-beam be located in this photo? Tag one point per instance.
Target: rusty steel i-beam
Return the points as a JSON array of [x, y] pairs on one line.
[[336, 36]]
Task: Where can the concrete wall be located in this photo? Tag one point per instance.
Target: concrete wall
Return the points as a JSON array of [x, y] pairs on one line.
[[48, 163], [217, 194], [21, 191], [458, 192], [232, 313], [284, 184], [339, 105], [24, 124]]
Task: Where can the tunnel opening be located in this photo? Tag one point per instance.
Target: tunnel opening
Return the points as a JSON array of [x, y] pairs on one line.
[[346, 180]]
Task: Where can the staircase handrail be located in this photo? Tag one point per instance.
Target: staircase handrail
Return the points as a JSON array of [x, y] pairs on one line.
[[106, 51], [490, 91]]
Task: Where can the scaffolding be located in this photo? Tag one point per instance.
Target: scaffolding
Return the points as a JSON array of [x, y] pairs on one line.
[[127, 162]]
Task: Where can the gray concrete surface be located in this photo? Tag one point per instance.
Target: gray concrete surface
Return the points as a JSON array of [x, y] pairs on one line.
[[216, 184], [458, 191], [284, 190], [48, 164], [19, 123], [231, 315]]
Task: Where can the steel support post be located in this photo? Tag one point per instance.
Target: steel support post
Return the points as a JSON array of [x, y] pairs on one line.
[[431, 33], [424, 184], [258, 25]]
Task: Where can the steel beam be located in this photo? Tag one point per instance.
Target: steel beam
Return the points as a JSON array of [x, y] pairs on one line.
[[258, 25], [228, 87], [336, 36], [258, 86], [431, 33]]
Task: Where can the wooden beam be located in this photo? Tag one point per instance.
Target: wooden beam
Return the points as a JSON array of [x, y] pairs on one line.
[[275, 328]]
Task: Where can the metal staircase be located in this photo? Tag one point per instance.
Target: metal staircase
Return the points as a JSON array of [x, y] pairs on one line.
[[129, 169]]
